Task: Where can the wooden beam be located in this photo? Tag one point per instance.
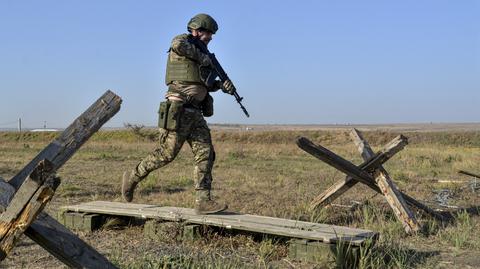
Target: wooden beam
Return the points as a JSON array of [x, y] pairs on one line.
[[388, 188], [70, 140], [22, 212], [340, 187], [24, 195], [46, 231], [353, 171], [6, 194], [65, 245]]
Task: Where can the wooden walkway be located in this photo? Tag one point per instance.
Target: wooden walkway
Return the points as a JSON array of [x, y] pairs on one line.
[[230, 220]]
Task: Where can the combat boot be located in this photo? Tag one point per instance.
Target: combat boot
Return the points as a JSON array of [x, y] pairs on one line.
[[204, 204], [129, 182]]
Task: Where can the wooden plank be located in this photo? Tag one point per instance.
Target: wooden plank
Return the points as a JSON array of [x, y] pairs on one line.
[[149, 211], [268, 225], [355, 172], [46, 231], [180, 214], [366, 153], [16, 228], [24, 194], [370, 164], [387, 187], [65, 245], [184, 214], [70, 140]]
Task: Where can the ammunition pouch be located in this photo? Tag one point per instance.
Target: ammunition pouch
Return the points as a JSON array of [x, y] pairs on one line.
[[169, 115], [207, 106]]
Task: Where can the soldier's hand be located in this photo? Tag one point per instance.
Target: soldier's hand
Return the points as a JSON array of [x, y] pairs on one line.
[[228, 87], [217, 85]]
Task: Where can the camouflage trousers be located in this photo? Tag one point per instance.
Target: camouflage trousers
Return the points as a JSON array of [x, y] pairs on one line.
[[193, 129]]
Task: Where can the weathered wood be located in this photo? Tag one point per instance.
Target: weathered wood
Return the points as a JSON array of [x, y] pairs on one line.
[[70, 140], [388, 188], [46, 231], [150, 211], [24, 194], [355, 172], [370, 164], [16, 228], [65, 245], [6, 194], [230, 220]]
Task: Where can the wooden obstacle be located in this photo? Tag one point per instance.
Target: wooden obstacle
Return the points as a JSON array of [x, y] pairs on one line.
[[35, 185], [370, 173], [304, 235]]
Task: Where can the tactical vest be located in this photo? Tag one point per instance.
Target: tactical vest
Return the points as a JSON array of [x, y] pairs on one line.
[[180, 68]]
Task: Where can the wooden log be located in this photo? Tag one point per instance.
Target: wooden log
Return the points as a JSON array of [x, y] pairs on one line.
[[370, 164], [353, 171], [388, 188], [6, 194], [65, 245], [46, 231], [24, 196], [70, 140], [42, 196]]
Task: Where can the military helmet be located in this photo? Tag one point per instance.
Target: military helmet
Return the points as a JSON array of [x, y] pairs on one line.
[[203, 21]]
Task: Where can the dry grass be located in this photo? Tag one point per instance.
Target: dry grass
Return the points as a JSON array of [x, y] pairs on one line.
[[264, 173]]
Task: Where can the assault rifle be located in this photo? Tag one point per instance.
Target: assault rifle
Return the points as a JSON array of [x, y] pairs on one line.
[[217, 71]]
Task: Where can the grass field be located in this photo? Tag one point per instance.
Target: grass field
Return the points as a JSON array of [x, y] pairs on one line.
[[264, 173]]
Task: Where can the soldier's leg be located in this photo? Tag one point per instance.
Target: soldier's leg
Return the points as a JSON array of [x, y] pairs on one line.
[[201, 143], [204, 155], [169, 145]]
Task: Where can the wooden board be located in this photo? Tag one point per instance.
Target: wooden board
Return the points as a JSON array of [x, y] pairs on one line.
[[355, 172], [45, 230], [71, 139], [65, 245], [230, 220], [28, 201], [386, 185], [370, 164]]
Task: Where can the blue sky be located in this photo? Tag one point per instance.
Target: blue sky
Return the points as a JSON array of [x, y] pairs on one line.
[[304, 62]]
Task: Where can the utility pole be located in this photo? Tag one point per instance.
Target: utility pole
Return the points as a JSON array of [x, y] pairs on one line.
[[20, 125]]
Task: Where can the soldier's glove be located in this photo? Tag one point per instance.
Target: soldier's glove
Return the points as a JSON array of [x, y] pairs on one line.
[[205, 60], [217, 85], [228, 87]]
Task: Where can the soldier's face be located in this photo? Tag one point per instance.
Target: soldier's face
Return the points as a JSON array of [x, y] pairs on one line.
[[204, 36]]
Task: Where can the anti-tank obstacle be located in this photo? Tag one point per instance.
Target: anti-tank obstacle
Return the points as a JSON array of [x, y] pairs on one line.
[[35, 185], [370, 173]]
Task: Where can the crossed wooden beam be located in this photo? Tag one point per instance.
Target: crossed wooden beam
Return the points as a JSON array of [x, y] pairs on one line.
[[35, 185], [370, 173]]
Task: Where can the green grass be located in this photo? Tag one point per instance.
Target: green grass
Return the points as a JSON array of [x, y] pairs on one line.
[[265, 173]]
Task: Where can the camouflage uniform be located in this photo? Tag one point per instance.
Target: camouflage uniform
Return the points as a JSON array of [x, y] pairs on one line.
[[186, 67], [194, 130]]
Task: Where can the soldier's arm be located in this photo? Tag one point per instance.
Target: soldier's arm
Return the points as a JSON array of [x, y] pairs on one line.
[[181, 46]]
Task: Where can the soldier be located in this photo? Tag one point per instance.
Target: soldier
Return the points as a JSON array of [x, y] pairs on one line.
[[181, 116]]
